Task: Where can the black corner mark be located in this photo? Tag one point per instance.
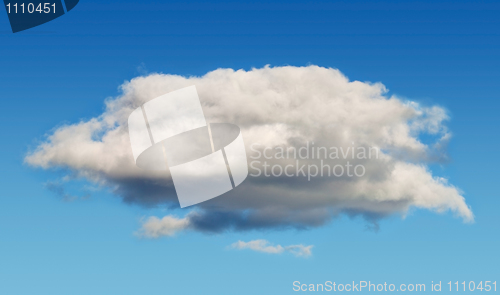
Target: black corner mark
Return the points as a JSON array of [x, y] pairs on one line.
[[27, 14]]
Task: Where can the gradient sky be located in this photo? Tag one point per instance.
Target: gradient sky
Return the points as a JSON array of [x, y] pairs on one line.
[[434, 52]]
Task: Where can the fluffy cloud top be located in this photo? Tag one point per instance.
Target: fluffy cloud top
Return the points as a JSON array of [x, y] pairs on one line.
[[266, 247], [275, 107]]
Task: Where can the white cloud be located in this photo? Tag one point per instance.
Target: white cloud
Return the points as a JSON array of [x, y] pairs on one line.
[[153, 227], [280, 106], [266, 247]]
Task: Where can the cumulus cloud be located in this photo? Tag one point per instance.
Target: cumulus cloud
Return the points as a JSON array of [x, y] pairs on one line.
[[266, 247], [287, 107]]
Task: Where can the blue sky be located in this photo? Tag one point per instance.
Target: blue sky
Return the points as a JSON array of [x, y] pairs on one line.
[[434, 52]]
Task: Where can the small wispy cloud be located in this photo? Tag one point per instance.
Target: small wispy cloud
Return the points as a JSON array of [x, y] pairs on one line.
[[57, 187], [266, 247], [142, 69], [154, 227]]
